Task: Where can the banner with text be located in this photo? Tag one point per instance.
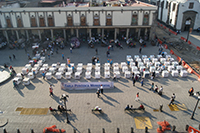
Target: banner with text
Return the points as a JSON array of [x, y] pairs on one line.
[[86, 85]]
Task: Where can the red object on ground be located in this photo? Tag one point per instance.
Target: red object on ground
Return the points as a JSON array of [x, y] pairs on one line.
[[165, 126], [193, 130], [53, 129]]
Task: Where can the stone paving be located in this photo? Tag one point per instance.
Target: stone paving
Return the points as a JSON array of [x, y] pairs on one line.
[[113, 102]]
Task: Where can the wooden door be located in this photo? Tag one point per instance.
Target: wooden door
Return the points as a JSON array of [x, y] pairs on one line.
[[83, 21], [134, 19], [33, 22], [9, 25], [69, 21], [96, 20], [146, 19], [19, 22], [42, 22], [50, 22], [109, 21]]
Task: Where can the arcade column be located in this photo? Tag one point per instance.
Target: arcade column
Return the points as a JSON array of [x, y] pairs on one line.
[[51, 34]]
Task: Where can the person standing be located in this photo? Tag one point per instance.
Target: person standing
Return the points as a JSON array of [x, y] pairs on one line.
[[63, 56], [49, 56], [101, 89], [34, 74], [68, 61], [51, 90], [98, 92], [160, 91], [172, 99], [111, 62], [13, 56], [137, 97], [142, 81], [140, 50], [70, 50], [133, 81], [152, 86], [96, 51], [10, 58], [43, 75]]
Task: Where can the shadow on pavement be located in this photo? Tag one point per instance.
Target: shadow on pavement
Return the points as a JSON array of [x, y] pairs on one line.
[[106, 101], [56, 98], [168, 114], [74, 127], [19, 91], [72, 116], [30, 87], [102, 116], [61, 117], [111, 99]]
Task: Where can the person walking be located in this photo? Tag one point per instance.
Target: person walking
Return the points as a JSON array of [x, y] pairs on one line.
[[10, 58], [70, 50], [111, 62], [51, 90], [142, 81], [133, 81], [98, 92], [68, 61], [43, 75], [172, 99], [140, 50], [13, 56], [96, 51], [137, 97], [63, 56], [101, 89]]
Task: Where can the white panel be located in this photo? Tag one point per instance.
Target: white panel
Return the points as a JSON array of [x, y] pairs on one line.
[[121, 18], [102, 19], [60, 18], [13, 19], [3, 21], [140, 18], [76, 18], [90, 18], [26, 20]]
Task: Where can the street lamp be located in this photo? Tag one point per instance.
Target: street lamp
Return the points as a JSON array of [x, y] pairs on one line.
[[64, 98], [195, 107], [188, 23]]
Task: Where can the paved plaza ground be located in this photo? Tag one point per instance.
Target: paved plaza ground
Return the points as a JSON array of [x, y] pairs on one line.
[[113, 102]]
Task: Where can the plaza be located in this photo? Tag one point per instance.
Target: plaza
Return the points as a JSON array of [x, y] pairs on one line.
[[113, 102]]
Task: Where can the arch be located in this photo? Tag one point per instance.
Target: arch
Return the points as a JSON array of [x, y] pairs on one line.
[[188, 16]]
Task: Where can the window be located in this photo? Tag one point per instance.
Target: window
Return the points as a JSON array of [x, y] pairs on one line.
[[19, 22], [69, 21], [174, 7], [191, 5], [9, 25], [33, 22], [146, 19], [83, 20], [134, 19], [50, 22], [96, 20], [166, 6], [109, 20], [170, 21], [42, 23]]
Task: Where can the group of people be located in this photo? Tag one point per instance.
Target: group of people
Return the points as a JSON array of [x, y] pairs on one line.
[[99, 90], [141, 107], [95, 60], [137, 77], [60, 108], [155, 89]]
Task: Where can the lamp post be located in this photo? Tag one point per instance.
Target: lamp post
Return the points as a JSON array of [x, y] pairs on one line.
[[195, 108], [64, 98], [188, 23]]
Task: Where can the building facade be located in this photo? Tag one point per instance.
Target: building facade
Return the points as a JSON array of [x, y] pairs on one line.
[[135, 19], [179, 14]]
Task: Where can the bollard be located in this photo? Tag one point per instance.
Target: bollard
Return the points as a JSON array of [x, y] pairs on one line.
[[117, 130], [88, 130], [146, 129], [161, 106], [32, 130], [173, 128], [74, 130], [131, 129], [103, 130], [18, 130], [4, 130], [186, 127]]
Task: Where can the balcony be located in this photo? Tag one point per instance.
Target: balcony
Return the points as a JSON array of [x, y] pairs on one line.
[[77, 25]]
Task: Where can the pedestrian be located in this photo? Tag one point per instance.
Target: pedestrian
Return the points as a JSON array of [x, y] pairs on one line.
[[115, 77], [49, 56], [142, 81], [68, 61], [101, 89], [34, 74], [108, 54], [137, 97], [70, 50], [172, 99], [191, 91], [160, 91], [98, 93], [15, 84], [10, 58], [133, 81], [140, 50], [108, 60], [111, 62], [43, 75], [156, 88], [96, 51], [51, 90], [133, 75], [63, 56], [152, 86], [13, 56]]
